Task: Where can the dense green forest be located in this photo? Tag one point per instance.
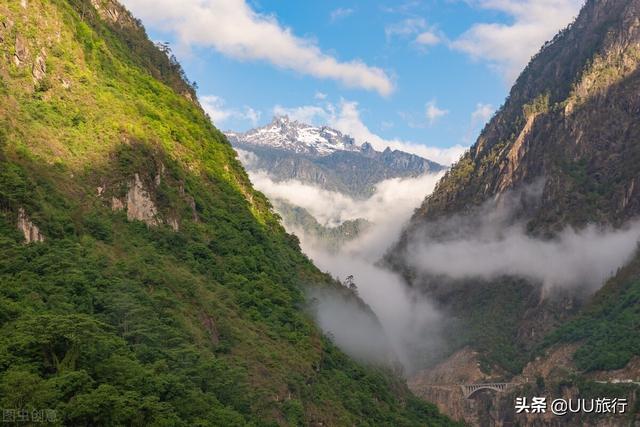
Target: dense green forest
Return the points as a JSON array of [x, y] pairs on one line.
[[197, 315]]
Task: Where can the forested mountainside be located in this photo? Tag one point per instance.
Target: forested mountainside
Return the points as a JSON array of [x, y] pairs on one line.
[[563, 151], [290, 150], [143, 281], [299, 219]]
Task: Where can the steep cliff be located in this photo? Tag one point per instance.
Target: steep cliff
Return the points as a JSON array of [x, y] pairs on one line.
[[570, 118], [143, 281]]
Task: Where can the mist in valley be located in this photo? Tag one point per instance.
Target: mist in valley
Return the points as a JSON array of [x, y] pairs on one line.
[[489, 242], [492, 241], [409, 325]]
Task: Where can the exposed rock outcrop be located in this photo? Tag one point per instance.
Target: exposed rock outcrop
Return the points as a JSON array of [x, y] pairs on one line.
[[21, 52], [5, 26], [30, 231], [39, 69], [139, 203], [441, 385]]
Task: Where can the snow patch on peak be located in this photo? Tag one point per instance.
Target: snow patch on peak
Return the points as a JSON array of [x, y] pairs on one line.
[[291, 135]]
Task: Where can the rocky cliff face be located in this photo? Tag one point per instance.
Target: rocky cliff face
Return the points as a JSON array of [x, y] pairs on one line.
[[569, 126], [568, 118]]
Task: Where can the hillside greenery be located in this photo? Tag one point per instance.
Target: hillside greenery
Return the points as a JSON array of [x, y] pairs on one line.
[[330, 238], [607, 328], [114, 322]]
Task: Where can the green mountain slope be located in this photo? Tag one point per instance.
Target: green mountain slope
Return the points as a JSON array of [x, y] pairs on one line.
[[158, 288]]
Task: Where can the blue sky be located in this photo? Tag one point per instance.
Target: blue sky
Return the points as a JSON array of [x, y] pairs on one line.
[[420, 75]]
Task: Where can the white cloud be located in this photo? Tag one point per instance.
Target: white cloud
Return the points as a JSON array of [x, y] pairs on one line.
[[423, 34], [433, 113], [575, 258], [406, 27], [233, 28], [490, 242], [214, 106], [340, 13], [481, 114], [402, 8], [347, 120], [508, 47], [311, 114], [428, 38], [393, 201], [320, 96], [479, 117]]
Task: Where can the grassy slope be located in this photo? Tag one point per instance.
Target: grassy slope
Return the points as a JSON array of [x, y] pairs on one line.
[[112, 322]]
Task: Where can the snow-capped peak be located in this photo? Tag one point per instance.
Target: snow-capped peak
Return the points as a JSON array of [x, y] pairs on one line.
[[291, 135]]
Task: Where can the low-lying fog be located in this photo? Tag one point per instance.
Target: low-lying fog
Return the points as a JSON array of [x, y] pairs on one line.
[[487, 243]]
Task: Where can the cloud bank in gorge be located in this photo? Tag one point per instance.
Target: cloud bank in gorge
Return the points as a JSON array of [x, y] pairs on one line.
[[409, 325], [233, 28], [393, 200], [580, 259], [492, 241], [508, 47]]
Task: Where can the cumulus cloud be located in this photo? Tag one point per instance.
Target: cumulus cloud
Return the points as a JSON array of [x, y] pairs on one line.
[[428, 38], [347, 120], [481, 114], [422, 34], [311, 114], [433, 113], [214, 106], [233, 28], [508, 47], [406, 27], [340, 13]]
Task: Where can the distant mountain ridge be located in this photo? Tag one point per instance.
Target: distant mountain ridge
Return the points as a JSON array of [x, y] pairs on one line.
[[291, 135], [290, 150]]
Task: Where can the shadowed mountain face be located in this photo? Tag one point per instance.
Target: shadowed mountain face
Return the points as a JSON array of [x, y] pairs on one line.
[[290, 150], [561, 153]]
